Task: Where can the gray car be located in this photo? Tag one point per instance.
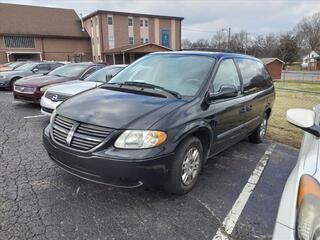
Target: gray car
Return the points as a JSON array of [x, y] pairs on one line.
[[8, 78], [299, 210]]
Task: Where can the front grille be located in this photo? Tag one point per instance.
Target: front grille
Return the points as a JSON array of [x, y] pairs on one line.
[[24, 89], [80, 136], [55, 97]]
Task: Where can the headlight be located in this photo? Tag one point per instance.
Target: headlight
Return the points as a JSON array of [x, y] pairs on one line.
[[2, 77], [308, 224], [53, 115], [43, 89], [139, 139]]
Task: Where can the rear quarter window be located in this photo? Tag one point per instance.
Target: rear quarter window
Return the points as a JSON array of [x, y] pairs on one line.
[[254, 75]]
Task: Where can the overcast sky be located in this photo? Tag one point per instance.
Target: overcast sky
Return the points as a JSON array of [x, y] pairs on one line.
[[204, 17]]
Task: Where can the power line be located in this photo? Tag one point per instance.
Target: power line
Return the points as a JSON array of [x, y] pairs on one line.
[[197, 30]]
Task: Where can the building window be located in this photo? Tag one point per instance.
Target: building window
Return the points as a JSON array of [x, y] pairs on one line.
[[146, 23], [141, 40], [99, 57], [146, 40], [130, 40], [110, 20], [19, 42], [91, 22], [141, 23], [130, 23]]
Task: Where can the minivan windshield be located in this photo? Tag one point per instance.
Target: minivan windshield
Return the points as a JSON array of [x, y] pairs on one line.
[[180, 73], [70, 70]]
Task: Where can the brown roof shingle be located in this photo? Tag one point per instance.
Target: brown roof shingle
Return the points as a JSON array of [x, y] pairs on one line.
[[39, 21]]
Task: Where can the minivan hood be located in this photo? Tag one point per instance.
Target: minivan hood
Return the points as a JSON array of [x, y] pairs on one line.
[[116, 109], [73, 87], [41, 81]]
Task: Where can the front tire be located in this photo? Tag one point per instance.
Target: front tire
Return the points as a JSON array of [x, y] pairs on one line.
[[12, 83], [259, 134], [186, 167]]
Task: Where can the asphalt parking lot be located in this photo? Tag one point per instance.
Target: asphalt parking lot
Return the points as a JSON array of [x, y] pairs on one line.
[[40, 201]]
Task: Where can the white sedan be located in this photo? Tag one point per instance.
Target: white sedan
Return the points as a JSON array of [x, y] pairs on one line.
[[56, 94], [299, 210]]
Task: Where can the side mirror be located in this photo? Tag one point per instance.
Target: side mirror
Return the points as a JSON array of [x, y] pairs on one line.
[[35, 70], [304, 119], [226, 91]]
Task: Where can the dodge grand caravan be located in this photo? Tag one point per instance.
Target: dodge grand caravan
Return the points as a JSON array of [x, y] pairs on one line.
[[160, 119]]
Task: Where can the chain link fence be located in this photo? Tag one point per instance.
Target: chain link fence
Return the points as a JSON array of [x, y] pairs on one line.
[[291, 94], [308, 76]]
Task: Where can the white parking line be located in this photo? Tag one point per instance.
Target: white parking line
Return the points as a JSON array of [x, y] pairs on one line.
[[36, 116], [231, 219]]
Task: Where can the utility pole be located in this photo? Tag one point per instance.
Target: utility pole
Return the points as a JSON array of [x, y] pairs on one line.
[[229, 37], [245, 50]]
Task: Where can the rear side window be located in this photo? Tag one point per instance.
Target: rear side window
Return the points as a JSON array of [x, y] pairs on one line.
[[55, 65], [90, 71], [43, 67], [226, 75], [255, 76]]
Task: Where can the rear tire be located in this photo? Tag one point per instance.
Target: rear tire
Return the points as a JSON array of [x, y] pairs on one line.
[[186, 167], [259, 134]]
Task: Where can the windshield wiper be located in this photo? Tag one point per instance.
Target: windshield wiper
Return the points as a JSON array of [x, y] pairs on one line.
[[149, 85]]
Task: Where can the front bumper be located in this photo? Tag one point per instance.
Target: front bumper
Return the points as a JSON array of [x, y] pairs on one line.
[[118, 172], [4, 83], [28, 97], [48, 106]]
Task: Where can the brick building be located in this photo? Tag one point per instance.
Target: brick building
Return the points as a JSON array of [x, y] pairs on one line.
[[42, 33], [119, 37]]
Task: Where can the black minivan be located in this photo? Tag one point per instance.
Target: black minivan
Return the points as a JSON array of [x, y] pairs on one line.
[[160, 119]]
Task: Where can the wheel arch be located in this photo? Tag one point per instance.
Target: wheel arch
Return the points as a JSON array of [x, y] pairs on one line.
[[202, 131]]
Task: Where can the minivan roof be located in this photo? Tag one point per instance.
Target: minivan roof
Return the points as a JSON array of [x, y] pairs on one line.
[[216, 55]]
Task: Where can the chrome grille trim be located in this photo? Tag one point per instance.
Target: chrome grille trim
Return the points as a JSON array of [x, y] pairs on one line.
[[76, 135]]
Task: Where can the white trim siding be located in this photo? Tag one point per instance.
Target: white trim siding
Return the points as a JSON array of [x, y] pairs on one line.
[[110, 33], [156, 31], [130, 28], [173, 34], [144, 30]]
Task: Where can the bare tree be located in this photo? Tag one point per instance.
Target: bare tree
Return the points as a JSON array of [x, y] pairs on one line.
[[186, 44], [219, 40], [308, 32], [288, 48]]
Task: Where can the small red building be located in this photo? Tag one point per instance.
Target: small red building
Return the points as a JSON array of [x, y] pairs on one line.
[[274, 66]]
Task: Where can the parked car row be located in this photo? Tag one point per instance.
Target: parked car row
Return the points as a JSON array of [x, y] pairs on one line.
[[8, 78], [157, 122]]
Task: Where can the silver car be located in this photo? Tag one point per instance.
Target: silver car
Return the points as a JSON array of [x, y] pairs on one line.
[[8, 78], [299, 210], [58, 93]]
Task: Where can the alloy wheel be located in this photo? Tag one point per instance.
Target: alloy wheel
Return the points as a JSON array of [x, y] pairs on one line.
[[190, 166]]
